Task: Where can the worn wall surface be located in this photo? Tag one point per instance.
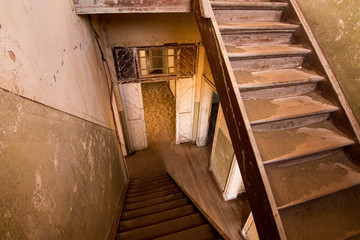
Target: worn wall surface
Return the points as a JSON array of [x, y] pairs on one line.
[[61, 169], [47, 54], [336, 25], [223, 152], [61, 177], [135, 30]]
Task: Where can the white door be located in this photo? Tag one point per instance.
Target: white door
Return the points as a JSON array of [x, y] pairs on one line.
[[185, 91], [204, 113], [131, 96]]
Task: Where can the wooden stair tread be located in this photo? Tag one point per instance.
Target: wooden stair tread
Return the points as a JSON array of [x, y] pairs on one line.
[[274, 78], [156, 217], [149, 202], [202, 232], [164, 228], [303, 181], [282, 145], [146, 179], [256, 26], [269, 110], [154, 208], [248, 5], [335, 216], [150, 191], [151, 196], [262, 51], [140, 182], [148, 187]]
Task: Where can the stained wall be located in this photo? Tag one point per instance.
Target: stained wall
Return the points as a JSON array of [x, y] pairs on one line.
[[61, 168], [336, 26]]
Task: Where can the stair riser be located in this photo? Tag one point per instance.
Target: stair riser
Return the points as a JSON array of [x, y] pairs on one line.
[[156, 218], [147, 188], [134, 206], [278, 92], [247, 15], [148, 191], [155, 181], [256, 38], [267, 63], [163, 229], [151, 196], [154, 209], [290, 123]]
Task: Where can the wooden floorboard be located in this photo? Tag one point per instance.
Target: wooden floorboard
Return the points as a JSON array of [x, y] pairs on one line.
[[187, 163]]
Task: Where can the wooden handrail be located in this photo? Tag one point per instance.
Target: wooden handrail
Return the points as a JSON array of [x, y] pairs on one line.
[[266, 215]]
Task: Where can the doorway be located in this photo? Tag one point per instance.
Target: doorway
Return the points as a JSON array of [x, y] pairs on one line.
[[212, 121], [209, 106], [159, 111]]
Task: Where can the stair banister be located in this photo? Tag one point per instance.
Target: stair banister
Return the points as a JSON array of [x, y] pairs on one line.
[[266, 215]]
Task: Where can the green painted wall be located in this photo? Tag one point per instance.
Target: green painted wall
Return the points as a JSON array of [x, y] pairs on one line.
[[61, 177], [336, 25]]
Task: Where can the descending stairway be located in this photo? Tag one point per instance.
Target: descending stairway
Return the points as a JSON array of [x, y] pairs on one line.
[[156, 208], [315, 186]]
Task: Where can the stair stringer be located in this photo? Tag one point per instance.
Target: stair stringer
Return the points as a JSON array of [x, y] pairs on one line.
[[257, 185]]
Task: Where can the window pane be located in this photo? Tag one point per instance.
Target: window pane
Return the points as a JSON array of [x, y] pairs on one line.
[[171, 61], [142, 53], [157, 61], [170, 51], [143, 63]]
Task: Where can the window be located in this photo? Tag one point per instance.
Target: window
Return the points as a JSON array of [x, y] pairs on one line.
[[157, 61]]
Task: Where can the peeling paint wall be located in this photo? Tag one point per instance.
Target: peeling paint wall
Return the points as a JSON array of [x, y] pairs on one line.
[[336, 25], [61, 168], [47, 54]]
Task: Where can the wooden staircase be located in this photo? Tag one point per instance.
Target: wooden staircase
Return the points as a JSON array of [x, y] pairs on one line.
[[156, 208], [284, 114]]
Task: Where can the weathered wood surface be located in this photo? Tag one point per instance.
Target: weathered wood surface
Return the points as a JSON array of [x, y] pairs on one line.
[[131, 6], [257, 187]]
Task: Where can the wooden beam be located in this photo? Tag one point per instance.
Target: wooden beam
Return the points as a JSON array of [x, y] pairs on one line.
[[257, 187], [130, 6]]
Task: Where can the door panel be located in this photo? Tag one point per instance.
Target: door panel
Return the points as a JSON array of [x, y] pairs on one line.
[[184, 109], [131, 96], [204, 114]]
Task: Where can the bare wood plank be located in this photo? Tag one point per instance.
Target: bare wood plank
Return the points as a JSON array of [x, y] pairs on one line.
[[256, 184], [131, 6]]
